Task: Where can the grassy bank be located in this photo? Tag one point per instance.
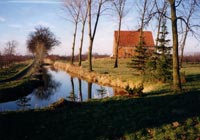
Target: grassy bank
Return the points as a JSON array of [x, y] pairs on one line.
[[15, 71], [16, 74], [105, 74], [17, 81]]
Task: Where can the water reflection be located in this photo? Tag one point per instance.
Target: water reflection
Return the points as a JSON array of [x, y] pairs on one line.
[[89, 90], [80, 89], [23, 103], [48, 86], [72, 96], [102, 91]]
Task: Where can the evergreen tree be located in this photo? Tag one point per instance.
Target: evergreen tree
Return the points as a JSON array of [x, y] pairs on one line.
[[160, 64], [140, 57]]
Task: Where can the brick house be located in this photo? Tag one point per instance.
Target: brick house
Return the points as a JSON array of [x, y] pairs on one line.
[[129, 40]]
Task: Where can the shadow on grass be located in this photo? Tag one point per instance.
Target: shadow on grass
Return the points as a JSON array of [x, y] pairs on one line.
[[193, 78], [161, 92], [193, 82], [100, 119]]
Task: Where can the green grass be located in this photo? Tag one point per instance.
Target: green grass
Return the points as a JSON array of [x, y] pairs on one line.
[[160, 115], [106, 66], [192, 72], [15, 75], [13, 70]]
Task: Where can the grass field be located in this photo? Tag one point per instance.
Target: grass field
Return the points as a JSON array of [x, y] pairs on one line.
[[161, 115], [106, 65]]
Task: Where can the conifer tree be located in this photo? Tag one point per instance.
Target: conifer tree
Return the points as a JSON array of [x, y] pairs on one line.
[[160, 64], [138, 61]]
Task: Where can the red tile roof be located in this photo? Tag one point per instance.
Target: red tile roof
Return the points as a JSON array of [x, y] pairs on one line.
[[131, 38]]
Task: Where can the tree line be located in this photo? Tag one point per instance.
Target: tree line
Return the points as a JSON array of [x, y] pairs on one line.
[[182, 14], [8, 55]]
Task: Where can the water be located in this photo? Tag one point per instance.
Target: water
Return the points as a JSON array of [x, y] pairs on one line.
[[57, 85]]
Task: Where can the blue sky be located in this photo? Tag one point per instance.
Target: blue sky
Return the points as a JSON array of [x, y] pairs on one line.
[[19, 17]]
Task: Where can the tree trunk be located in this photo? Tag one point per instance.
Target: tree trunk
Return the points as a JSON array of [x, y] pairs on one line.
[[117, 47], [82, 37], [40, 52], [183, 46], [74, 42], [92, 35], [81, 45], [176, 73], [90, 54]]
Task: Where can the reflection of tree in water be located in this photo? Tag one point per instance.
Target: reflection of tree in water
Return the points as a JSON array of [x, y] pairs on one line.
[[80, 90], [102, 91], [23, 102], [48, 86], [72, 96], [89, 90]]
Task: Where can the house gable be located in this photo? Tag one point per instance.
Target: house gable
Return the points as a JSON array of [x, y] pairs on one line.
[[129, 40]]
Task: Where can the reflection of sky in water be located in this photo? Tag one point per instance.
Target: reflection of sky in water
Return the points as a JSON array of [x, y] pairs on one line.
[[63, 90]]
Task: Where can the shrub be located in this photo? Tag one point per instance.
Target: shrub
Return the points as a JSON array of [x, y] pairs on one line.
[[136, 90]]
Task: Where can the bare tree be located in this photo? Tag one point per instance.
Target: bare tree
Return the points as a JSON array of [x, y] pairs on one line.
[[146, 13], [92, 32], [189, 9], [161, 10], [9, 51], [74, 8], [83, 18], [10, 48], [119, 8]]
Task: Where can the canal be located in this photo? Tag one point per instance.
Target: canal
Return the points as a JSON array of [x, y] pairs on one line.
[[58, 84]]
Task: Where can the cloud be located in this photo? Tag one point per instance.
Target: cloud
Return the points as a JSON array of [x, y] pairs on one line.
[[35, 1], [2, 19]]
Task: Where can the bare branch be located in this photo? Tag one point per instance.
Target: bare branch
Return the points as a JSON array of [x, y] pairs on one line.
[[178, 3]]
